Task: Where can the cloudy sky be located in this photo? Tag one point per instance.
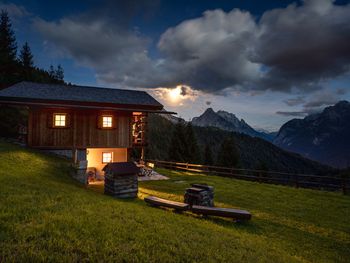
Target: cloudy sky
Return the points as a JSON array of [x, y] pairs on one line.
[[265, 61]]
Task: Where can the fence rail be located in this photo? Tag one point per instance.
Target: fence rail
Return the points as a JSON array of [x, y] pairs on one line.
[[329, 183]]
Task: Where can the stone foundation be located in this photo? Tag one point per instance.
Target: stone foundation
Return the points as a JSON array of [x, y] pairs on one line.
[[79, 162]]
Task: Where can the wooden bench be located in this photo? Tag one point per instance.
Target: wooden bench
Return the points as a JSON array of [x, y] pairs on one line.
[[156, 201], [223, 212], [240, 215]]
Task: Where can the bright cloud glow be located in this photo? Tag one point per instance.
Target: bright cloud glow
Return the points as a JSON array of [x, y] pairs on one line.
[[175, 96]]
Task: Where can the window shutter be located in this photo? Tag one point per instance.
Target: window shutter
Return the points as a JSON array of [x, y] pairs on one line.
[[99, 121], [68, 120], [50, 120], [114, 121]]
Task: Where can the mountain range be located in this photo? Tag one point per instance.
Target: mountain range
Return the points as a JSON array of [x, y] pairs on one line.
[[253, 151], [228, 122], [324, 137]]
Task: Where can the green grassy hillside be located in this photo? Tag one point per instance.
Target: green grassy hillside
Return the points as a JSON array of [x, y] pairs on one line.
[[46, 216]]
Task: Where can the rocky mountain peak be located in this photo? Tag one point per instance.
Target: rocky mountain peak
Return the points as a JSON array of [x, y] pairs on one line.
[[323, 137], [209, 111], [226, 121]]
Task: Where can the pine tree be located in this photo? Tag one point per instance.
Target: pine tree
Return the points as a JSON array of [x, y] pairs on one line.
[[26, 57], [228, 155], [13, 70], [59, 73], [178, 147], [192, 154], [208, 155], [8, 46], [52, 72], [8, 50]]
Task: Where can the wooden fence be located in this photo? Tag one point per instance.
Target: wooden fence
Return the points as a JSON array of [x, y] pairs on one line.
[[329, 183]]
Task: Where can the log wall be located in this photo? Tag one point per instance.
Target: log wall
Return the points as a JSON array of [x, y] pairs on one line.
[[82, 130]]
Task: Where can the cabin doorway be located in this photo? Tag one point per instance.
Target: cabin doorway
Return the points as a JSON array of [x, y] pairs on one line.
[[97, 158]]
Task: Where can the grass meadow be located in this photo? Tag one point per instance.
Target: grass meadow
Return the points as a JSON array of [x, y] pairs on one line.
[[46, 216]]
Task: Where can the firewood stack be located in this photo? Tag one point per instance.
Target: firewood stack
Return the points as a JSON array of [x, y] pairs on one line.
[[121, 180], [200, 194]]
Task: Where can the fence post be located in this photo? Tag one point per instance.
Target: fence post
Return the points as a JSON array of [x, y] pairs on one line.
[[290, 182], [259, 177], [344, 184], [296, 181]]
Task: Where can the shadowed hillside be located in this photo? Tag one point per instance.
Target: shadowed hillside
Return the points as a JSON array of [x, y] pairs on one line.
[[324, 137]]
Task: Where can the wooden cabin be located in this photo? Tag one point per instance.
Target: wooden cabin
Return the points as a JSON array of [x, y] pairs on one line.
[[92, 125]]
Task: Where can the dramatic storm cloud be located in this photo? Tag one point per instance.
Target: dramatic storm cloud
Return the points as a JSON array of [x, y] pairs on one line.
[[304, 45], [318, 101], [100, 39], [117, 55], [211, 53], [13, 10], [295, 101], [297, 47]]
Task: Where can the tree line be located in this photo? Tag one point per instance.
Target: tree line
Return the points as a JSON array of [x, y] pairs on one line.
[[184, 148], [16, 67]]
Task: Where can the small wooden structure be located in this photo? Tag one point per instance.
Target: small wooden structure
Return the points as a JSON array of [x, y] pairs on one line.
[[121, 180], [200, 194]]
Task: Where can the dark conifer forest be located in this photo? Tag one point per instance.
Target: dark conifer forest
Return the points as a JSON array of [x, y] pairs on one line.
[[16, 65]]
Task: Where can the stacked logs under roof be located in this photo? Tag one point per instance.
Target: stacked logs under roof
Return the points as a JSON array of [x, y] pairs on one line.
[[121, 180], [200, 194]]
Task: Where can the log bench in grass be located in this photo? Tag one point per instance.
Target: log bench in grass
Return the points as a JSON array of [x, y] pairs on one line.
[[239, 215], [156, 201]]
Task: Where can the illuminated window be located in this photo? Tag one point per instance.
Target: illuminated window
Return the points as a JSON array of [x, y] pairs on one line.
[[107, 121], [107, 157], [59, 120]]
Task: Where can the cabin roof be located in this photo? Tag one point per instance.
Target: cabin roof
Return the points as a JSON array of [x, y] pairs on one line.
[[30, 91]]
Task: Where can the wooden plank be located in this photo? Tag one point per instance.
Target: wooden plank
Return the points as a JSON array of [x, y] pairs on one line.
[[222, 212], [156, 201], [30, 128]]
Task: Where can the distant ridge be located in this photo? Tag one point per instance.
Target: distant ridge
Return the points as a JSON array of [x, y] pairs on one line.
[[324, 137], [227, 122]]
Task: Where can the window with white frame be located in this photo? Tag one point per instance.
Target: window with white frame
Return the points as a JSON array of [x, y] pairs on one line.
[[107, 121], [107, 157], [59, 120]]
